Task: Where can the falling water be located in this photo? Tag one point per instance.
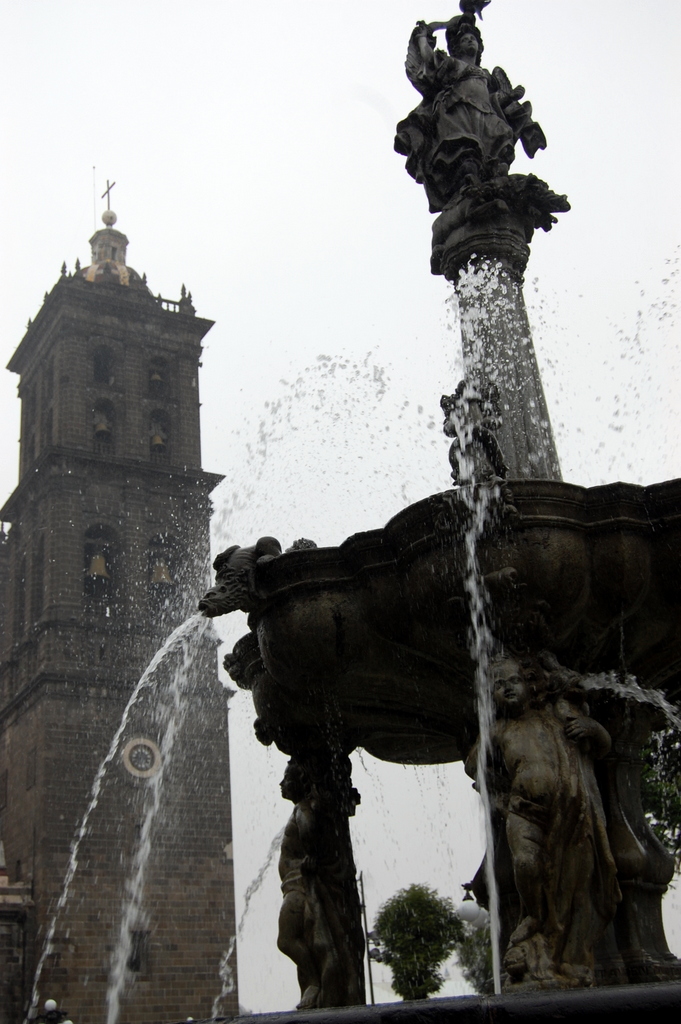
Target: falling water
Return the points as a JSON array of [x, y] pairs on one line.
[[496, 344], [171, 714], [226, 975], [175, 641], [480, 500], [225, 971]]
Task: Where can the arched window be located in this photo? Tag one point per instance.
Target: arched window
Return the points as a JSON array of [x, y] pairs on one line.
[[159, 381], [102, 366], [103, 426], [159, 436], [162, 562], [100, 570], [162, 576]]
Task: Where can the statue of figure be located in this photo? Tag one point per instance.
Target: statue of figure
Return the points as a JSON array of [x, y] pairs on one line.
[[543, 747], [319, 923], [459, 144], [466, 127]]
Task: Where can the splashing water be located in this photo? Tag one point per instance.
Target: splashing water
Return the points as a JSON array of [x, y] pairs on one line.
[[226, 975], [225, 971], [175, 641], [171, 713], [339, 419], [275, 846], [629, 687]]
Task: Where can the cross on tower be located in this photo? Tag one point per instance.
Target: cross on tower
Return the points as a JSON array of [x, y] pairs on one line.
[[106, 193]]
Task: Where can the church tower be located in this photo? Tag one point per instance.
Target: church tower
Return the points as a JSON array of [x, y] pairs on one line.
[[107, 552]]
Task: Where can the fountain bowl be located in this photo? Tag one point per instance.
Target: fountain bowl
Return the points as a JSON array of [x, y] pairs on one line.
[[373, 635]]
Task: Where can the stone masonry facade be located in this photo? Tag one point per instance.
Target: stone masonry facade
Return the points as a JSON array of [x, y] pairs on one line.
[[107, 552]]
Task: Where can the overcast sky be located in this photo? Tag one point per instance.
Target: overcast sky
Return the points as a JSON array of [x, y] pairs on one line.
[[252, 149]]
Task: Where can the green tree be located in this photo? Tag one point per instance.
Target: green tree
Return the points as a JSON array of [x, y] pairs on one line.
[[661, 788], [418, 930]]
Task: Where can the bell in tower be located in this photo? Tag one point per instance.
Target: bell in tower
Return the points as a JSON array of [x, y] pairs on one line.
[[98, 567], [102, 425], [160, 573], [158, 437]]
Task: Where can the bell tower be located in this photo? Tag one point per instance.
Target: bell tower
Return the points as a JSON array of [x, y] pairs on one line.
[[106, 553]]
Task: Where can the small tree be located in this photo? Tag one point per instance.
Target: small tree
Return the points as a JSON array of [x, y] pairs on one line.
[[474, 953], [661, 789], [418, 930]]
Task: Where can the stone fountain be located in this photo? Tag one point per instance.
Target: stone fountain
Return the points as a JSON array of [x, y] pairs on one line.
[[380, 644]]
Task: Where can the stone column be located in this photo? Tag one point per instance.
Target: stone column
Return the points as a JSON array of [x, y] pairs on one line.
[[497, 347], [480, 244]]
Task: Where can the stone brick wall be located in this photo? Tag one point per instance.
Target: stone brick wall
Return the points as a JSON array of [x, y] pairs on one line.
[[68, 664]]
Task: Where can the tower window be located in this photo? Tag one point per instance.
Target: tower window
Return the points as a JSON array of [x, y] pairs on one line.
[[103, 423], [99, 579], [162, 574], [159, 436], [158, 377], [102, 366]]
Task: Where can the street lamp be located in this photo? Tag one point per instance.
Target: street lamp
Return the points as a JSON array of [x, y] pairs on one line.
[[52, 1014]]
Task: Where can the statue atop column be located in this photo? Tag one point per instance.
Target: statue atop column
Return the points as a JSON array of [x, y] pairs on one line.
[[460, 140], [460, 143]]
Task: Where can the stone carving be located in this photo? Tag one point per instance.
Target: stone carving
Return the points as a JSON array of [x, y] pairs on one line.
[[512, 205], [472, 415], [460, 143], [235, 577], [302, 544], [319, 923], [468, 121], [544, 743]]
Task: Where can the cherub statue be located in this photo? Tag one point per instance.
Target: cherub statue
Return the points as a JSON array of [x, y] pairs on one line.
[[544, 744], [465, 129], [319, 921]]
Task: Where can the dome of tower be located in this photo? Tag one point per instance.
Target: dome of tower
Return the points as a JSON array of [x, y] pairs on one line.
[[109, 248]]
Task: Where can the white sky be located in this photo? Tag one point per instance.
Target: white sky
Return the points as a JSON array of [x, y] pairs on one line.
[[252, 150]]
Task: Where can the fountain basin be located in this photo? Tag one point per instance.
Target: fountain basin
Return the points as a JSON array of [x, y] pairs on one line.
[[626, 1003], [373, 634]]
